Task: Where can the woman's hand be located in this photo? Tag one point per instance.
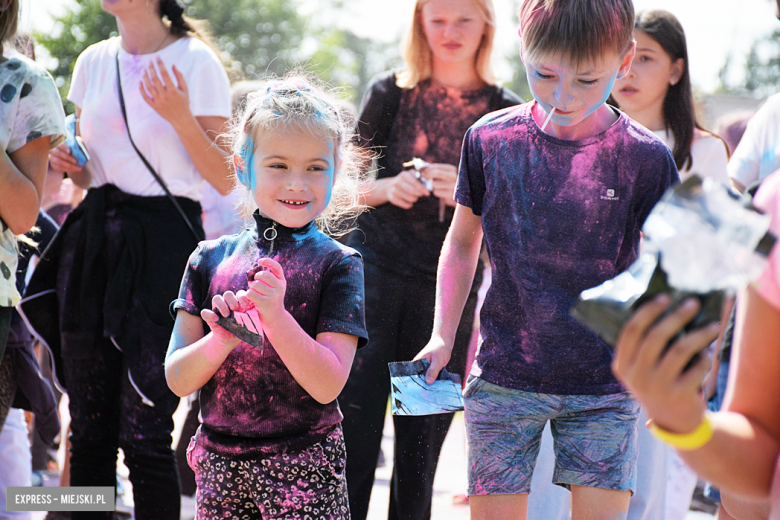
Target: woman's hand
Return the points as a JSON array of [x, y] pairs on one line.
[[267, 291], [405, 189], [223, 305], [444, 177], [171, 101], [654, 376], [62, 161]]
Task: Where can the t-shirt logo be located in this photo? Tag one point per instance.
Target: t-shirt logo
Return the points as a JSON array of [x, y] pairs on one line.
[[610, 195]]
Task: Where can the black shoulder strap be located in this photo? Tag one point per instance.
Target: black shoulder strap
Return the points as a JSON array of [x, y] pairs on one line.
[[198, 236]]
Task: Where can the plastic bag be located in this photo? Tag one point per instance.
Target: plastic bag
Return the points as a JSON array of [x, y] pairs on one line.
[[700, 240], [411, 395]]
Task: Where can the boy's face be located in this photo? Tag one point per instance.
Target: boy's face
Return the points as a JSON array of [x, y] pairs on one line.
[[575, 92]]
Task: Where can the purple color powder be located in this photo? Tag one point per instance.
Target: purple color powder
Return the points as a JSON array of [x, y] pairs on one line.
[[559, 217]]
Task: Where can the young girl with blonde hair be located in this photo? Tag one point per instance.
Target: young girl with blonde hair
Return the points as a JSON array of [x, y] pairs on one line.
[[270, 444], [423, 112]]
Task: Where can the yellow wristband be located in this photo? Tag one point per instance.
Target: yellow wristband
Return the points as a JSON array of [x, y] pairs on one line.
[[688, 441]]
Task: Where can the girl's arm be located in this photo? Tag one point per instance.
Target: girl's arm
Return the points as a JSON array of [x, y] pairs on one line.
[[22, 174], [457, 265], [320, 366], [199, 135], [61, 160], [742, 453], [193, 358]]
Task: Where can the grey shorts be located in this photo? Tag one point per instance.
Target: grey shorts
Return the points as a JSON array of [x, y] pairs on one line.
[[595, 438]]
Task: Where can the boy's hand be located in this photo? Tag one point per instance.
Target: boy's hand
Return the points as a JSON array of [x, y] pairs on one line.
[[223, 305], [654, 376], [438, 355], [404, 189], [444, 177], [267, 291]]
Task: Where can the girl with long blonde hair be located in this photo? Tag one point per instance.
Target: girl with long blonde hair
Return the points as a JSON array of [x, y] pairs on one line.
[[421, 112]]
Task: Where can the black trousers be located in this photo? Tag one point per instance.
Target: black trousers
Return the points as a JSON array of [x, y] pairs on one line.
[[108, 413], [118, 396], [399, 318]]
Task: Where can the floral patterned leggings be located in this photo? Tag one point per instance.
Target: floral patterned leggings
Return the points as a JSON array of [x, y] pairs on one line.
[[307, 484]]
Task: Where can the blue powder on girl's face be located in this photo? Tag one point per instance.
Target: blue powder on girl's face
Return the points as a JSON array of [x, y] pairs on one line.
[[246, 173]]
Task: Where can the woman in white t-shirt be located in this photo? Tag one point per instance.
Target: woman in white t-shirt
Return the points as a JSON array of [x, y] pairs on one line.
[[122, 252]]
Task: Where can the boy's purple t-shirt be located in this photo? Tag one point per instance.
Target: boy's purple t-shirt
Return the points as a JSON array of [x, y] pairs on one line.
[[559, 217], [252, 404]]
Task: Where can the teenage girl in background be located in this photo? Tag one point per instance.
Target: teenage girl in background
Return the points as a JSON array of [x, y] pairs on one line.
[[423, 111], [270, 444], [657, 93]]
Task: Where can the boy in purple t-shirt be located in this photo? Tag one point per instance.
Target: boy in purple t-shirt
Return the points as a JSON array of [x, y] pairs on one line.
[[560, 201]]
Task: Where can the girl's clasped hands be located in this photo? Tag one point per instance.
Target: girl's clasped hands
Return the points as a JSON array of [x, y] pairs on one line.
[[265, 294]]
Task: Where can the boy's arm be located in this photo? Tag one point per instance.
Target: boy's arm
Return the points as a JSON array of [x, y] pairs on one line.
[[457, 264]]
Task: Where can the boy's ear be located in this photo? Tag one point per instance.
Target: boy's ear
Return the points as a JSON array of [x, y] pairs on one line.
[[678, 67], [625, 64]]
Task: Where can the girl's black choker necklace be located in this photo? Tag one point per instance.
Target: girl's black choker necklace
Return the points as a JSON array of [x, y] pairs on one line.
[[271, 231]]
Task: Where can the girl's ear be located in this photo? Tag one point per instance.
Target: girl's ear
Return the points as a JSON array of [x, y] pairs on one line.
[[625, 64], [678, 67]]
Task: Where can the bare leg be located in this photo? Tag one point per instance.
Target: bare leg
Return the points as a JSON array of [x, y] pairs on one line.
[[590, 503], [498, 507]]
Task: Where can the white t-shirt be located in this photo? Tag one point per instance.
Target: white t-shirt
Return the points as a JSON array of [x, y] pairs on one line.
[[758, 153], [30, 108], [94, 90], [709, 155]]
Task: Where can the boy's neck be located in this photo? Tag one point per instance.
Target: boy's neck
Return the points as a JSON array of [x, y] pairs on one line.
[[456, 75], [594, 124]]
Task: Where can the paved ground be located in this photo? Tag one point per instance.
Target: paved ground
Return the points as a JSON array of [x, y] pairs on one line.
[[450, 480]]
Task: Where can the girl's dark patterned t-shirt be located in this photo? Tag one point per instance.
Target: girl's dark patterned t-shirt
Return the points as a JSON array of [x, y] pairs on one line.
[[253, 404]]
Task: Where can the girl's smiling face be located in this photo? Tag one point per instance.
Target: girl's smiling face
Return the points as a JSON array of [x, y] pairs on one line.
[[293, 175], [574, 92]]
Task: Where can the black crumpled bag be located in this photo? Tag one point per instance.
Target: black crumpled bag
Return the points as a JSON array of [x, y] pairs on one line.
[[700, 241]]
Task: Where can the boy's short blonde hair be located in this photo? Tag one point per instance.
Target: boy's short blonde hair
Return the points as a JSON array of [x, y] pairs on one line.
[[418, 56], [580, 31]]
